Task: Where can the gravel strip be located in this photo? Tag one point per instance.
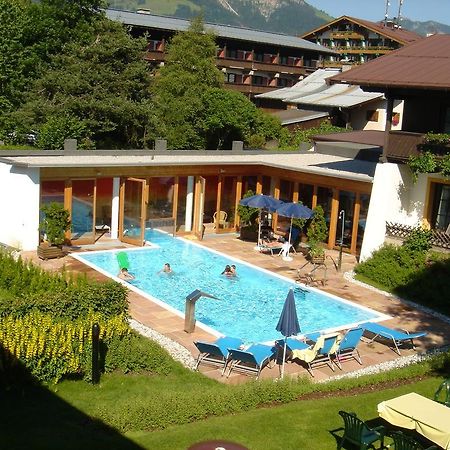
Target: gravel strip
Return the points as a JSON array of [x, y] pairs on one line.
[[350, 276], [397, 363], [176, 350]]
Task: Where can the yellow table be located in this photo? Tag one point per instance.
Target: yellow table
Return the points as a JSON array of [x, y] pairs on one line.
[[414, 412]]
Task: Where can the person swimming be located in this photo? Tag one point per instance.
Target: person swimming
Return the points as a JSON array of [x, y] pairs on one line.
[[233, 270], [227, 271], [125, 275], [166, 269]]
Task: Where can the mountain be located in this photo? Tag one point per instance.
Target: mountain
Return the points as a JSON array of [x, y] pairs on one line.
[[425, 28], [279, 16]]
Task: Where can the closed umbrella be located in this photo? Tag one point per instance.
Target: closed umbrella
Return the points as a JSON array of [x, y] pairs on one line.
[[261, 201], [288, 323], [294, 211]]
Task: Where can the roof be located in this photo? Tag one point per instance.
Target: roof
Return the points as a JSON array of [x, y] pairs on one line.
[[290, 116], [367, 137], [312, 83], [424, 64], [225, 31], [338, 95], [308, 162], [399, 35]]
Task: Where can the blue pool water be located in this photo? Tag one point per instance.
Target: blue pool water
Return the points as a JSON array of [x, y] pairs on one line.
[[248, 306]]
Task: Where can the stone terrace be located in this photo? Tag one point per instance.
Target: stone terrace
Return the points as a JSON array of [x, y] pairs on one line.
[[171, 325]]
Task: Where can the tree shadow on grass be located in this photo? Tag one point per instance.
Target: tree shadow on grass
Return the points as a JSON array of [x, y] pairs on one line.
[[33, 417]]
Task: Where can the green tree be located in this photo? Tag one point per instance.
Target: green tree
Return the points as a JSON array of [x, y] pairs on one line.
[[99, 92], [188, 71]]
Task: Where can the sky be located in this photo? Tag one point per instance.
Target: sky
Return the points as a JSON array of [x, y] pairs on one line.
[[422, 10]]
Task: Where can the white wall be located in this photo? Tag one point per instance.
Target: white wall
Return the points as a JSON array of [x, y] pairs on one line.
[[19, 206], [359, 116], [389, 199]]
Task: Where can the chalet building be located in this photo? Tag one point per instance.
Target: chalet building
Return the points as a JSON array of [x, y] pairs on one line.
[[418, 74], [358, 41], [252, 61]]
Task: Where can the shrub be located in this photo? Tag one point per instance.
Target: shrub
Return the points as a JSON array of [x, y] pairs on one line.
[[134, 353], [247, 215], [419, 240], [55, 223], [51, 348], [32, 289], [392, 266]]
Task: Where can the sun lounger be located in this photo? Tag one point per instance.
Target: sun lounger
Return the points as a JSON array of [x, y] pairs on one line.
[[347, 347], [216, 353], [252, 360], [397, 337], [320, 353]]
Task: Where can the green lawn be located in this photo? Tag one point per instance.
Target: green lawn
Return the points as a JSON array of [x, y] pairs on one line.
[[64, 416]]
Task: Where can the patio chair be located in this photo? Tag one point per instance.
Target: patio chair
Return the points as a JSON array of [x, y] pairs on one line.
[[442, 395], [358, 433], [397, 337], [347, 347], [222, 220], [405, 442], [216, 353], [320, 353], [252, 360]]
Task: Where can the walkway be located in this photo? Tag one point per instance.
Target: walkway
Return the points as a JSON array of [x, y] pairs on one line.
[[167, 323]]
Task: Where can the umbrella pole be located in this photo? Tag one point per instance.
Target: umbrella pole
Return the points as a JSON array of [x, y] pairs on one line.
[[284, 358], [259, 231]]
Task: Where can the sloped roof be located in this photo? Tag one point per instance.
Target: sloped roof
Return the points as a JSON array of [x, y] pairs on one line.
[[338, 95], [241, 34], [290, 116], [312, 83], [424, 64], [399, 35]]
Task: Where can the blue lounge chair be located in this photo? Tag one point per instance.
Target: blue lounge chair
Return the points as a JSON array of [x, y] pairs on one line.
[[320, 353], [252, 360], [216, 353], [397, 337], [347, 347]]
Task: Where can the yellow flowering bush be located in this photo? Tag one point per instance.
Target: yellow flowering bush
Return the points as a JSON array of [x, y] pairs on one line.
[[50, 348]]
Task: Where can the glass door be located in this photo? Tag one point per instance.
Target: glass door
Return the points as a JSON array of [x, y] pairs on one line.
[[82, 211], [132, 213]]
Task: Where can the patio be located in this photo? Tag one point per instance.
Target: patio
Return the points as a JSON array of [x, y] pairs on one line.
[[172, 326]]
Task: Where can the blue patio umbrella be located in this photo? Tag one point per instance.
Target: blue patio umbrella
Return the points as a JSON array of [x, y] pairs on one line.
[[288, 323], [261, 201], [294, 211]]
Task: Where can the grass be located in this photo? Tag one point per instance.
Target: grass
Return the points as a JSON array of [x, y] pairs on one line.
[[63, 416]]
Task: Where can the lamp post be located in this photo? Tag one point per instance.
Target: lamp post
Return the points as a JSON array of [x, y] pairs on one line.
[[341, 242]]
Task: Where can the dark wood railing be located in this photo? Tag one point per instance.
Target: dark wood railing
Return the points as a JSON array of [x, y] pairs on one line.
[[397, 230]]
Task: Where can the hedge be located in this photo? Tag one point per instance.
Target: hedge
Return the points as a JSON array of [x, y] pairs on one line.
[[31, 288]]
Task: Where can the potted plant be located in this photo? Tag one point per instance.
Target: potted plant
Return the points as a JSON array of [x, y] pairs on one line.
[[317, 233], [248, 220], [53, 226]]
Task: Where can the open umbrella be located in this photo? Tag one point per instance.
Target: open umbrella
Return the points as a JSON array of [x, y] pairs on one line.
[[294, 211], [261, 201], [288, 322]]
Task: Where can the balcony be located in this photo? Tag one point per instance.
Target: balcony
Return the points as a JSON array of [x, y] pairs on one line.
[[346, 35], [250, 88], [260, 66]]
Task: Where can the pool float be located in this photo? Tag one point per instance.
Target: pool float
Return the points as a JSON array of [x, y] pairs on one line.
[[122, 259]]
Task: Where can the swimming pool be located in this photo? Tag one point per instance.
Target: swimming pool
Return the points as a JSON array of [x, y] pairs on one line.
[[248, 305]]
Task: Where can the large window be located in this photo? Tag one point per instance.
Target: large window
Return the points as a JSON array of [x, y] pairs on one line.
[[52, 191], [225, 216], [160, 199], [305, 194], [364, 200], [440, 218], [345, 221]]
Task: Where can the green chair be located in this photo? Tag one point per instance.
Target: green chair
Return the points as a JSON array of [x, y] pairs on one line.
[[442, 395], [404, 442], [358, 433]]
